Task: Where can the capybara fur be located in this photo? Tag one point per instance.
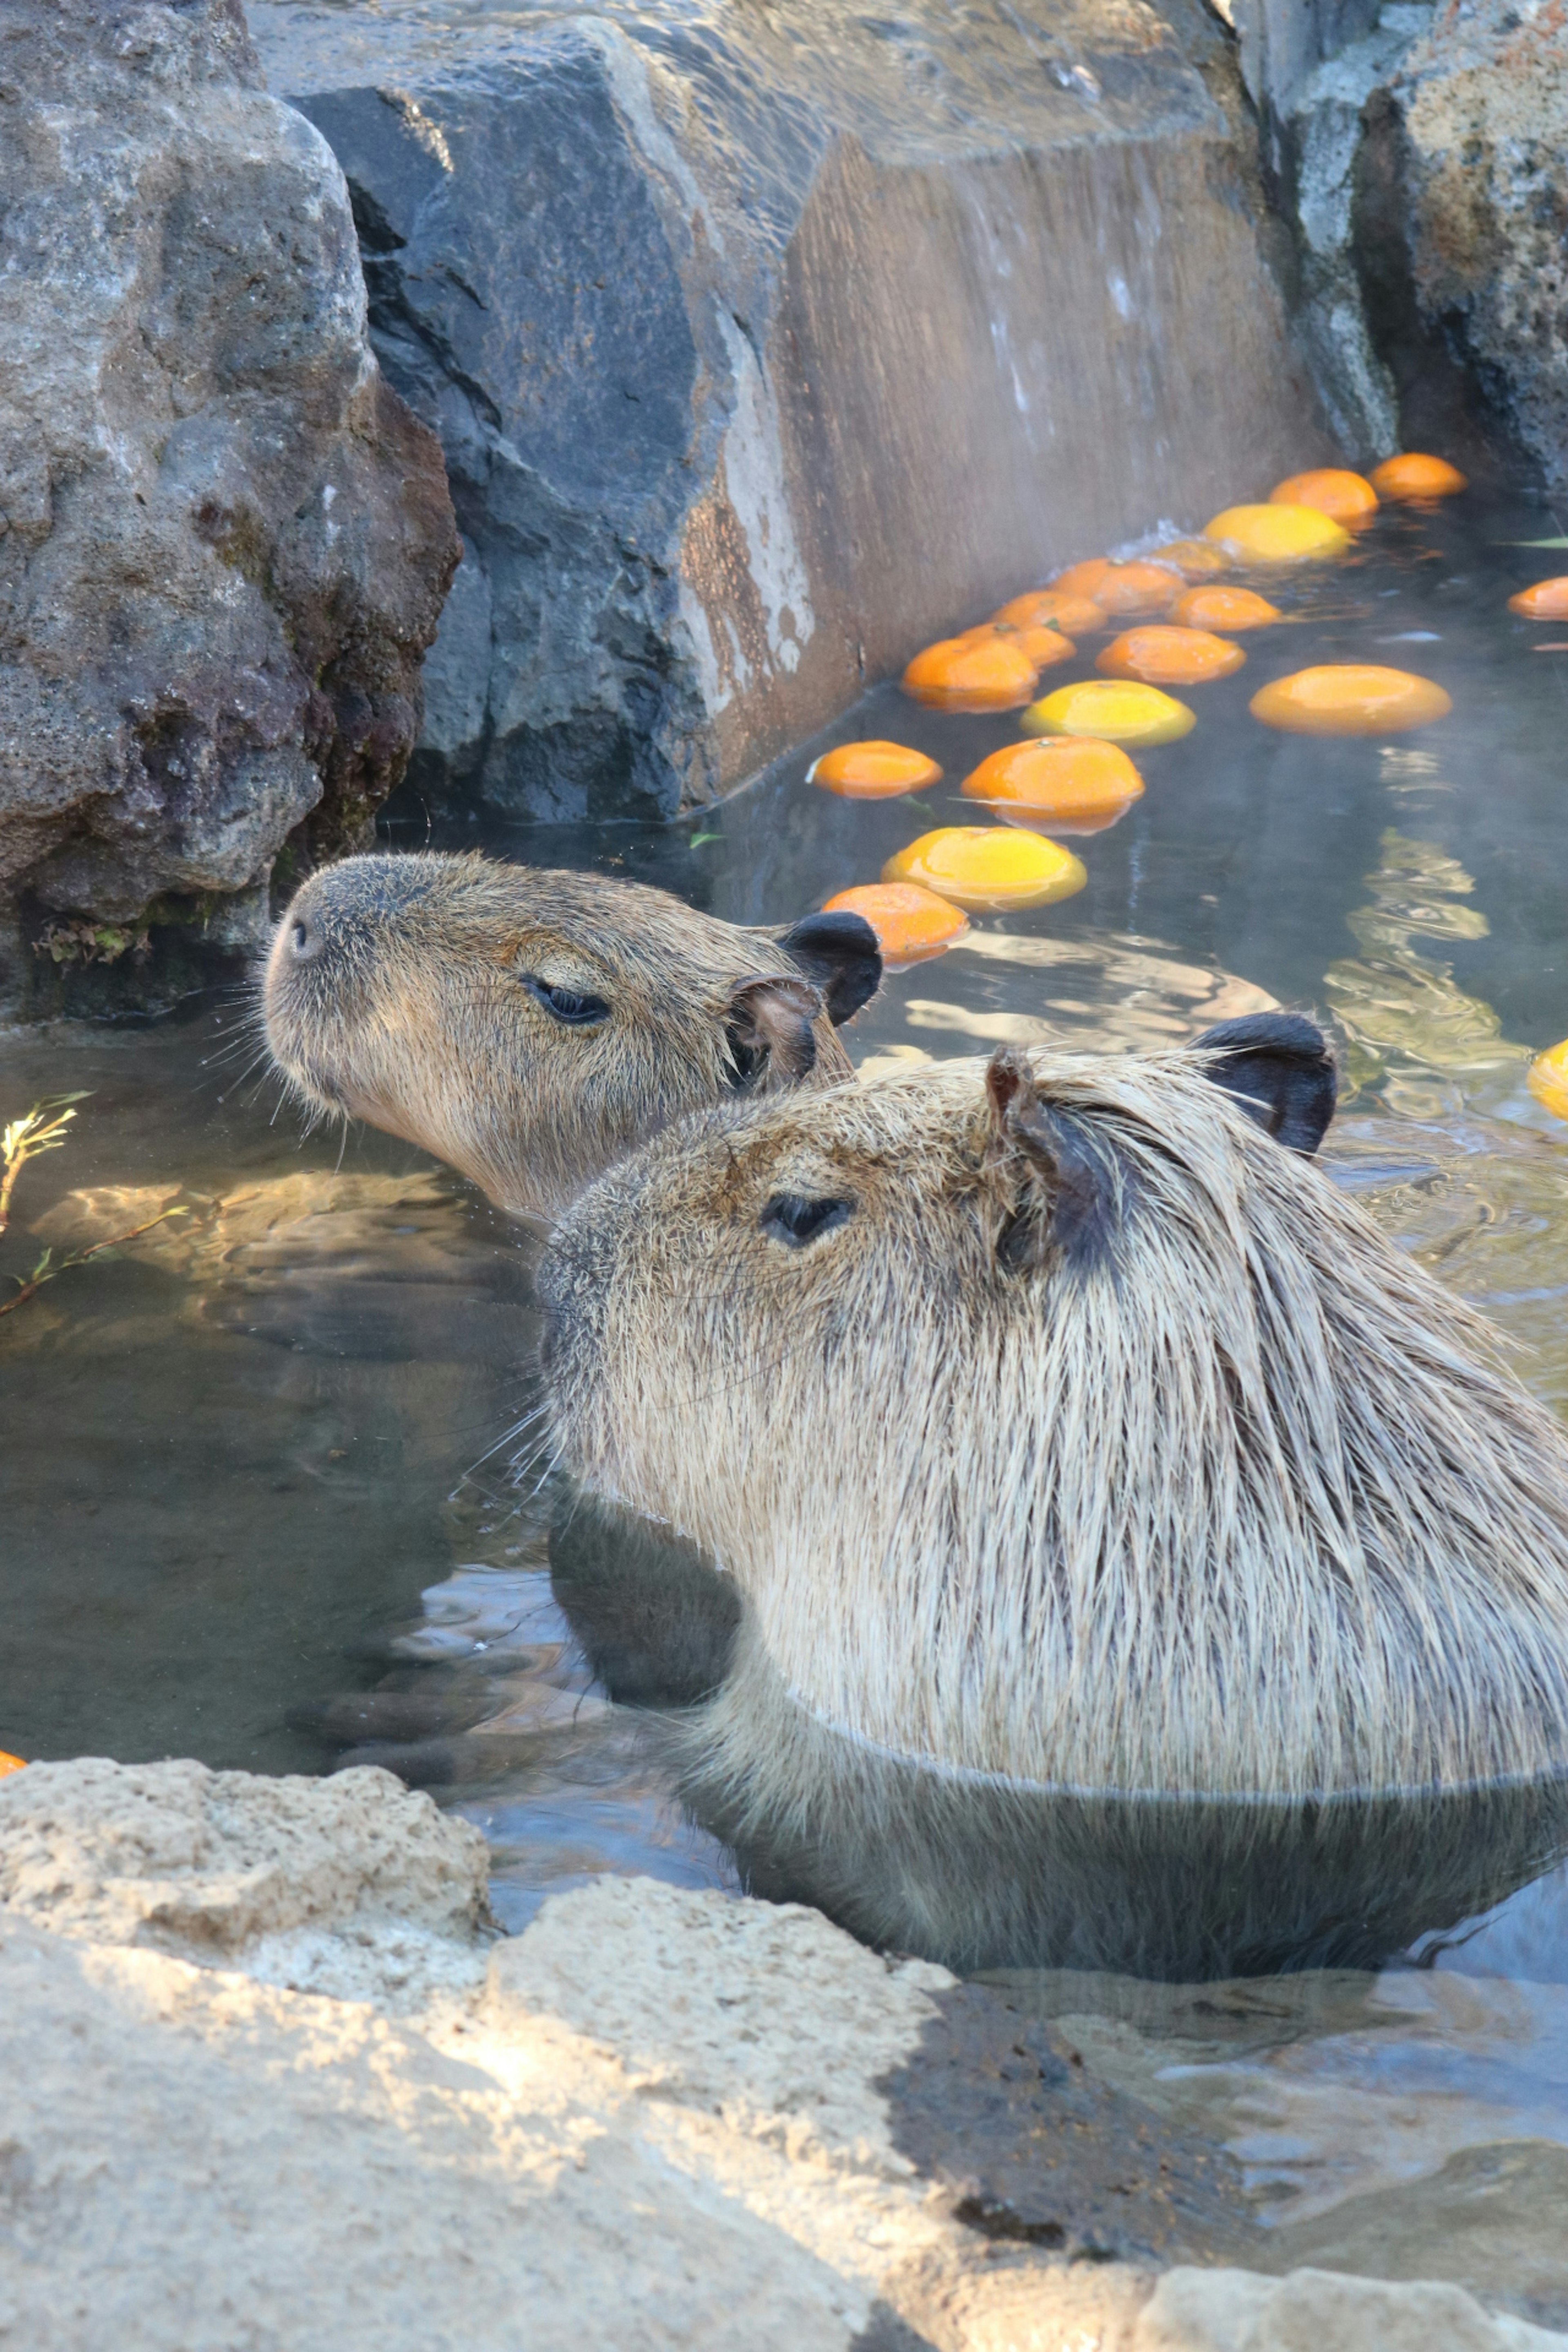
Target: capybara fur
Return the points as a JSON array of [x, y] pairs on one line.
[[529, 1026], [1142, 1563]]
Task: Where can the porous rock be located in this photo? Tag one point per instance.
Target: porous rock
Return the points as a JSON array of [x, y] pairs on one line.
[[765, 348], [664, 2121], [224, 538]]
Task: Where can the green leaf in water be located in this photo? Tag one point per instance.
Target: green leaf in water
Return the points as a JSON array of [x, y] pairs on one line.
[[1533, 542], [698, 838]]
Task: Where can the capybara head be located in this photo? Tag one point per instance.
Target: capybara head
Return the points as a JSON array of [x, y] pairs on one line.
[[530, 1026], [1058, 1427]]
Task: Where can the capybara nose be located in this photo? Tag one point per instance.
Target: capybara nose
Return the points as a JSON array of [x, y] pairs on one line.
[[306, 938]]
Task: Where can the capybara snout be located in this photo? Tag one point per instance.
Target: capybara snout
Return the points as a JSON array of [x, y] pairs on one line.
[[530, 1026]]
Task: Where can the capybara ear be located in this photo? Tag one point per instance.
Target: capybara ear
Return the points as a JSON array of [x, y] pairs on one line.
[[840, 954], [768, 1024], [1056, 1193], [1279, 1069]]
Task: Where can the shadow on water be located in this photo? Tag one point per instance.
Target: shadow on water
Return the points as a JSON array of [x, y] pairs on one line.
[[253, 1507]]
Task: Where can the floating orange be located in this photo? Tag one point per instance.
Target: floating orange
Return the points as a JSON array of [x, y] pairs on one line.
[[1349, 698], [1415, 476], [872, 771], [1350, 499], [1127, 588], [1083, 579], [1223, 608], [1278, 535], [984, 673], [1548, 1079], [1078, 785], [10, 1763], [1195, 558], [910, 923], [1051, 608], [1547, 601], [1111, 713], [988, 868], [1166, 656], [1043, 647]]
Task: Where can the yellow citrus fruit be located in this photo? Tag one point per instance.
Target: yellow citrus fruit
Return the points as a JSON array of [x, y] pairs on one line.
[[1051, 608], [1350, 499], [1548, 1078], [988, 868], [985, 673], [1111, 712], [1083, 579], [1127, 588], [1349, 698], [1223, 608], [910, 923], [1167, 657], [1415, 476], [1278, 534], [1082, 784], [10, 1763], [872, 771], [1195, 558], [1547, 601]]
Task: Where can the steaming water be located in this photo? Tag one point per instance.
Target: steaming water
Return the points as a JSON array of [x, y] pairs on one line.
[[250, 1506]]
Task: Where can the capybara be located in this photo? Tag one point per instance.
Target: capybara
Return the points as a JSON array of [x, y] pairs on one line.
[[1142, 1563], [528, 1027]]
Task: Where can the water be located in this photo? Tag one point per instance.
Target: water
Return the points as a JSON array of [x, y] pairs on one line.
[[251, 1506]]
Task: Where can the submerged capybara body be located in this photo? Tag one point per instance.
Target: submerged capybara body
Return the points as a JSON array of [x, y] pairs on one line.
[[528, 1027], [1110, 1504]]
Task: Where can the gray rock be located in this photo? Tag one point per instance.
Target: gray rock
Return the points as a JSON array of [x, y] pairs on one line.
[[224, 539], [766, 346]]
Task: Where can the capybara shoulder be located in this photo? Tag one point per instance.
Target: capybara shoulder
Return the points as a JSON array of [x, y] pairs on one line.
[[529, 1026]]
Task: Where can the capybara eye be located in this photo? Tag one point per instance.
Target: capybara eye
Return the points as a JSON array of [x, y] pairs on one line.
[[567, 1004], [794, 1221]]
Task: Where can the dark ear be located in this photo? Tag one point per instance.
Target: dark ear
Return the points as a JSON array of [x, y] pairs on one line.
[[840, 953], [768, 1024], [1056, 1192], [1279, 1069]]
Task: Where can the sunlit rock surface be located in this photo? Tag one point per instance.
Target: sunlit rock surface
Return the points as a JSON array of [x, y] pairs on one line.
[[659, 2116], [224, 539], [765, 346]]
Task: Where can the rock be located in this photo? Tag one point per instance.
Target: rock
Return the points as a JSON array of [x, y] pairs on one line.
[[764, 350], [1227, 2311], [224, 539]]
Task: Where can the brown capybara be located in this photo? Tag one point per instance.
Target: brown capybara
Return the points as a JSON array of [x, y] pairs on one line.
[[1142, 1563], [529, 1026]]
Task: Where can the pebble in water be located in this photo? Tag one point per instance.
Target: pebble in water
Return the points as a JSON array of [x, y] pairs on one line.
[[1348, 497], [1051, 608], [1224, 608], [1080, 785], [1417, 476], [1349, 698], [1548, 1079], [986, 673], [1129, 588], [1171, 657], [1111, 713], [1546, 601], [1278, 534], [990, 869], [872, 771], [910, 924]]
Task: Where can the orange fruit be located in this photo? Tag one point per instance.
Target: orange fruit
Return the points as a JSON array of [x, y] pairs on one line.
[[1415, 476], [910, 923], [1195, 558], [1083, 579], [1547, 601], [1223, 608], [872, 771], [1077, 781], [1138, 588], [1166, 656], [1044, 646], [11, 1763], [1111, 713], [984, 673], [1349, 698], [1548, 1079], [1051, 608], [988, 868], [1277, 533], [1348, 497]]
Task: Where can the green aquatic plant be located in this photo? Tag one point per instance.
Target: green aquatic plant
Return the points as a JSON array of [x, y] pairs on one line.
[[44, 1129]]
